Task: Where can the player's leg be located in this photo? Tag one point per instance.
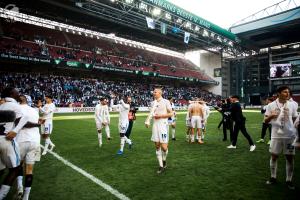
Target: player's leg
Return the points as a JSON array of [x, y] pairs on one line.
[[159, 157], [99, 131], [28, 181], [164, 139], [52, 145], [107, 131], [32, 156], [173, 130], [289, 151], [9, 158], [122, 129], [276, 148]]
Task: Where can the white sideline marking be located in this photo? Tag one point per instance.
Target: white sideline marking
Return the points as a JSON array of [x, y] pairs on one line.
[[89, 176]]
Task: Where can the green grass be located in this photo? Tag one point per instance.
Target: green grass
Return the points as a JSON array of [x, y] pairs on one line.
[[208, 171]]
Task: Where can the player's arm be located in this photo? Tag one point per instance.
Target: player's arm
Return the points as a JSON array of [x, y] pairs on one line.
[[269, 115], [124, 105], [20, 121], [97, 113]]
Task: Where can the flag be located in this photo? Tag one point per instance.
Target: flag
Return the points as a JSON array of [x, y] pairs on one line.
[[150, 23], [186, 37], [163, 28]]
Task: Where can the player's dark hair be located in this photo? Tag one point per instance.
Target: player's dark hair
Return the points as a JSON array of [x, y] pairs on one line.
[[235, 97], [7, 92], [49, 96], [281, 88]]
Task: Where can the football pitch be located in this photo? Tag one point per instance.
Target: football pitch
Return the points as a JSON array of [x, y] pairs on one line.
[[82, 170]]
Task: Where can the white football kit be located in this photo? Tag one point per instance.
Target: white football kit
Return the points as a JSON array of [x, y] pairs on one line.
[[123, 109], [101, 115], [283, 131], [160, 126], [47, 114], [9, 149], [29, 138]]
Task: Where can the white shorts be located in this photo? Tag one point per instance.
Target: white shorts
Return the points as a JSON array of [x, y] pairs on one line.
[[172, 121], [99, 125], [284, 145], [123, 126], [160, 131], [47, 128], [196, 122], [9, 153], [30, 152]]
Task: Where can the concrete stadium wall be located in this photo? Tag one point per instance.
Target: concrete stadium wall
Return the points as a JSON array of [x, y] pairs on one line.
[[208, 62]]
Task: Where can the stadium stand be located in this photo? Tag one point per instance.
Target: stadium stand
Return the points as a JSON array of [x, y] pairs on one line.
[[76, 92], [24, 39]]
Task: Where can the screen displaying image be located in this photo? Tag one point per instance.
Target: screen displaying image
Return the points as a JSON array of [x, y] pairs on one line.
[[280, 70]]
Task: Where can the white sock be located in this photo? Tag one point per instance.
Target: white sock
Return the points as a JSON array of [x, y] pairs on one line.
[[50, 142], [173, 132], [46, 144], [4, 191], [159, 157], [26, 193], [289, 167], [164, 155], [20, 182], [192, 138], [100, 138], [273, 168], [187, 137], [107, 131], [128, 141], [122, 143]]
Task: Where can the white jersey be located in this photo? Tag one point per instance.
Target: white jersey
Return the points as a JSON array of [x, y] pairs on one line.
[[206, 112], [282, 126], [47, 111], [102, 113], [162, 107], [29, 134], [123, 109], [12, 105]]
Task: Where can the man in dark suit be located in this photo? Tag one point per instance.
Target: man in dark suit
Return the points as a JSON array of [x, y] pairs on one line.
[[239, 123]]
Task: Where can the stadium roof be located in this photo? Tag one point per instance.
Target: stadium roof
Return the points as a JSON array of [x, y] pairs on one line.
[[127, 18]]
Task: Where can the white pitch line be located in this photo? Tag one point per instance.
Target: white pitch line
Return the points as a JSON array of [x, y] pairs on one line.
[[91, 177]]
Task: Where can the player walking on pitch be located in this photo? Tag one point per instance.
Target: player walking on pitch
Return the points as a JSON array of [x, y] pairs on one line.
[[160, 111]]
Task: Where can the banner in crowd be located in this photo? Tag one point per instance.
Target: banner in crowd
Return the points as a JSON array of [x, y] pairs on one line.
[[25, 58]]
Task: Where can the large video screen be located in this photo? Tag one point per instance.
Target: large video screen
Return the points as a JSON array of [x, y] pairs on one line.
[[280, 70]]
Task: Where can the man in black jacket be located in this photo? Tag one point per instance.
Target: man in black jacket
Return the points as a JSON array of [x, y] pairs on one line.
[[239, 123]]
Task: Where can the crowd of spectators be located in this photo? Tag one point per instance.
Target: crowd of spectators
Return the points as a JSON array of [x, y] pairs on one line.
[[74, 91], [25, 39]]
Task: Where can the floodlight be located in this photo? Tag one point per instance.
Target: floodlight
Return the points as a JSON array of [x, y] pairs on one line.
[[156, 11], [168, 16]]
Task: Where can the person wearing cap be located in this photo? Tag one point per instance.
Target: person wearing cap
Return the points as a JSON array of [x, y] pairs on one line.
[[239, 123]]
